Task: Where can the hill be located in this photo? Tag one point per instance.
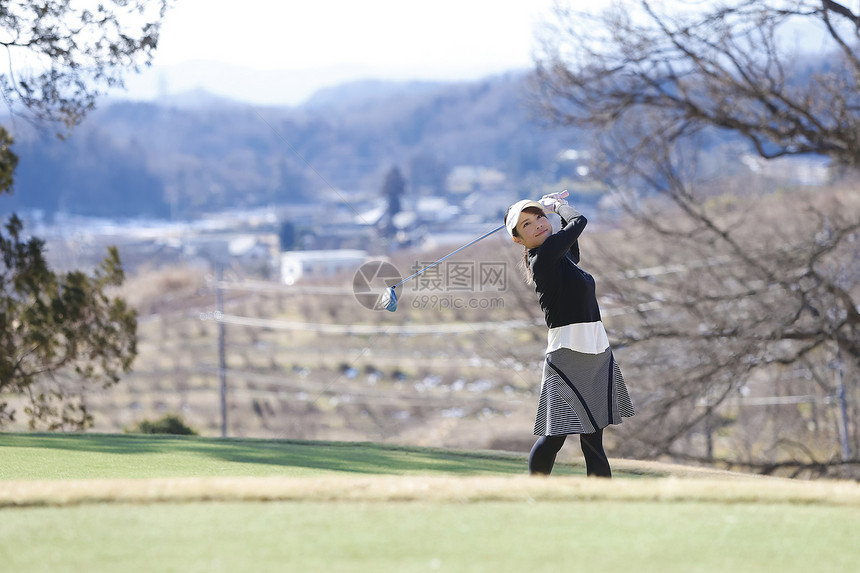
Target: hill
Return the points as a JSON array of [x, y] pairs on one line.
[[191, 154]]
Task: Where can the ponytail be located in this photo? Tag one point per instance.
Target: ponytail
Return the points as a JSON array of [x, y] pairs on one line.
[[527, 270]]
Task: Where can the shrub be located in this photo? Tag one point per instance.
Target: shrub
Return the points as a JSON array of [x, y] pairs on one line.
[[167, 424]]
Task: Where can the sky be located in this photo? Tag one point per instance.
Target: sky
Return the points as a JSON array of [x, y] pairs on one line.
[[268, 52]]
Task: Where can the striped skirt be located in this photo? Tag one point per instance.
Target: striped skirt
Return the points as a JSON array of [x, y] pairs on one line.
[[580, 393]]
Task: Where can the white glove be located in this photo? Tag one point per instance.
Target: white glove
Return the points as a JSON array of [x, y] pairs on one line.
[[551, 201]]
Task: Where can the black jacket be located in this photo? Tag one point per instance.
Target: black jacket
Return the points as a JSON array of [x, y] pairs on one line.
[[566, 292]]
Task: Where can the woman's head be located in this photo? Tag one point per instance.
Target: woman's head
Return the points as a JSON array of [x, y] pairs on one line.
[[527, 223]]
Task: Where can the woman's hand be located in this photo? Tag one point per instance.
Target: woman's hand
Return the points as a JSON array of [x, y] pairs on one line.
[[551, 201]]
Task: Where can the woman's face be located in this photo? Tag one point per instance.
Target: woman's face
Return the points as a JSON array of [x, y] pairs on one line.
[[532, 229]]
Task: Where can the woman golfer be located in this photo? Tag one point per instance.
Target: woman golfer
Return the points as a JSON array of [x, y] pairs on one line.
[[582, 390]]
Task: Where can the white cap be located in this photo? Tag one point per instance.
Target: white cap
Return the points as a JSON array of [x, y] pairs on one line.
[[513, 216]]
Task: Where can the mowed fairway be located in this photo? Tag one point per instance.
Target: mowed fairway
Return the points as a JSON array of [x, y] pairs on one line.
[[132, 503]]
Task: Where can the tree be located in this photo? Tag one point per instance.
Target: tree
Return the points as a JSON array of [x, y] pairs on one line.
[[736, 302], [287, 236], [731, 66], [61, 332], [62, 56], [392, 189], [58, 332], [732, 294]]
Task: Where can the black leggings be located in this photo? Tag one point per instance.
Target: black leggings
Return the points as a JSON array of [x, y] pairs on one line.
[[542, 456]]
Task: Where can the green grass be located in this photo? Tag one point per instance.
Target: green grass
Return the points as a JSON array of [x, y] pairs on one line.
[[104, 503], [98, 456], [403, 537]]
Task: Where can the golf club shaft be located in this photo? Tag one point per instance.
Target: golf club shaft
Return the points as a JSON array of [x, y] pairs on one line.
[[430, 266]]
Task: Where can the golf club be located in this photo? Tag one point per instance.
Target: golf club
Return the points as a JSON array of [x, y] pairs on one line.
[[388, 300]]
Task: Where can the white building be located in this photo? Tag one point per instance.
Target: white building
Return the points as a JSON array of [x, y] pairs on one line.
[[314, 264]]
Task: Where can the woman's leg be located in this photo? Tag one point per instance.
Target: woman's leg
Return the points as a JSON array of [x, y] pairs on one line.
[[596, 462], [542, 456]]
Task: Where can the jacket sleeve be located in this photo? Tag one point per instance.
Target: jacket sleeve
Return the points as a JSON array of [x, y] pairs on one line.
[[559, 244], [570, 216]]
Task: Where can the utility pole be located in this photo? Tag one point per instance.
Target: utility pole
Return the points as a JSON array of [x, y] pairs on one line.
[[843, 408], [222, 359]]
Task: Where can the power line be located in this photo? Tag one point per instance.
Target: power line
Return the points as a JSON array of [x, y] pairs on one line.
[[371, 329], [411, 329]]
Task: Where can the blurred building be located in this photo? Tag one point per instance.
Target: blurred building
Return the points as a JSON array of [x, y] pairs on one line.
[[296, 265]]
